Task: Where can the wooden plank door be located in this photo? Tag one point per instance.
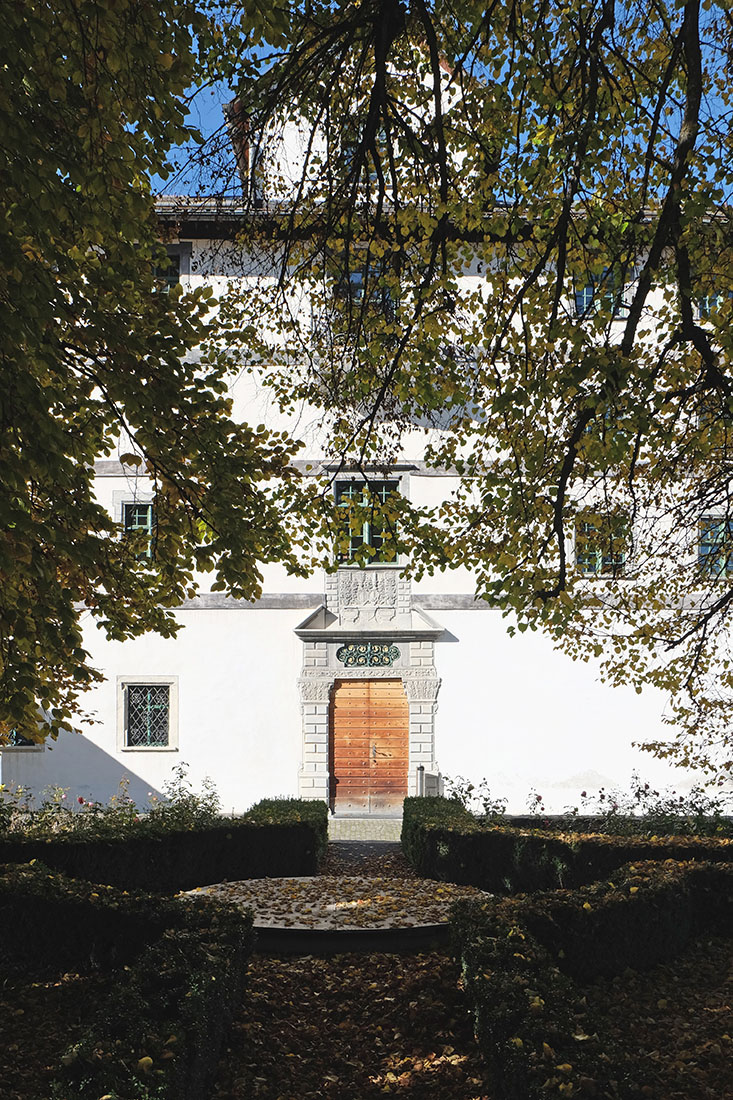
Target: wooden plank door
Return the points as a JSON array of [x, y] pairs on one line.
[[368, 735]]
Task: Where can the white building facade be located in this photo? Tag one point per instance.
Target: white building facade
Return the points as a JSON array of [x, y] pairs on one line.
[[356, 687]]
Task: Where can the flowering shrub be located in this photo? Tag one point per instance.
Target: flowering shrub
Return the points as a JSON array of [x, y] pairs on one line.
[[58, 814], [647, 811], [476, 798], [182, 807], [642, 811]]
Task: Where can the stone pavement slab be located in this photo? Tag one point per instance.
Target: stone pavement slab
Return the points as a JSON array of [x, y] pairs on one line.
[[365, 828]]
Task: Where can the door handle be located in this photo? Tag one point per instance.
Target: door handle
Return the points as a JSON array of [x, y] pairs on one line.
[[374, 752]]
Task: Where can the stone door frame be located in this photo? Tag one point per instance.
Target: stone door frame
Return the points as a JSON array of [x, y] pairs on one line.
[[416, 669]]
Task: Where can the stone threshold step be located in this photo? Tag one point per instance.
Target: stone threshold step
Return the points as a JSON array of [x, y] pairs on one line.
[[364, 828]]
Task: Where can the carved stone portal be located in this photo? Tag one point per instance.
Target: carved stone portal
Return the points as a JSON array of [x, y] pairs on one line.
[[366, 596]]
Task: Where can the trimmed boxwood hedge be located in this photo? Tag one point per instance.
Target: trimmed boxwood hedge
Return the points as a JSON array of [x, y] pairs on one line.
[[444, 841], [177, 972], [277, 837], [522, 956]]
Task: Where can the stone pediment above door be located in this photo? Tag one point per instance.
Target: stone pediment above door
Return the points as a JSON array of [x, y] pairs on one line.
[[324, 626], [367, 602]]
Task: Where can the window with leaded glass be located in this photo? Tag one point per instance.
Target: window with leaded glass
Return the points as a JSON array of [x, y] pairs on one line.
[[139, 519], [147, 720], [715, 548], [363, 524], [601, 544]]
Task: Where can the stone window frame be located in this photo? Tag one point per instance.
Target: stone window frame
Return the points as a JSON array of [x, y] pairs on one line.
[[123, 683], [122, 497], [378, 477]]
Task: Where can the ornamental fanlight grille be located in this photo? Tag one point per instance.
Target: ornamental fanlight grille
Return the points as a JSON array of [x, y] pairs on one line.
[[367, 654]]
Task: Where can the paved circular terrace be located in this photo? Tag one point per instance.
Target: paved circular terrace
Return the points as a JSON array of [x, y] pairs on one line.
[[343, 912], [336, 903]]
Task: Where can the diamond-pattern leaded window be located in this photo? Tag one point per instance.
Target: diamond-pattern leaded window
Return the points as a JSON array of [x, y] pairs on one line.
[[148, 715]]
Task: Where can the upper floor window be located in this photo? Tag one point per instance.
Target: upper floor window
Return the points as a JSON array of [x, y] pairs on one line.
[[365, 288], [601, 544], [177, 264], [604, 291], [708, 304], [138, 519], [364, 522], [584, 298], [715, 548]]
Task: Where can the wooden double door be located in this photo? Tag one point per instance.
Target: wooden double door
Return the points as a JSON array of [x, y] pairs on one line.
[[368, 746]]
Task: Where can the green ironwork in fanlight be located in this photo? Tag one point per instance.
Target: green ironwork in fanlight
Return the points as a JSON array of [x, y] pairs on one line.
[[367, 654]]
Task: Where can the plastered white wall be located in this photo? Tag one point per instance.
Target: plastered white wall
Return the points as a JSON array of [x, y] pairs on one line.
[[522, 715], [239, 713], [511, 710]]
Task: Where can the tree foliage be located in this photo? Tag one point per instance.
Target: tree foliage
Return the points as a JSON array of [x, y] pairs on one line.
[[96, 357], [505, 236], [541, 195]]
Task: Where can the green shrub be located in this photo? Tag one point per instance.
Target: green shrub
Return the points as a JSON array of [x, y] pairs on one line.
[[642, 811], [182, 807], [645, 811], [58, 814], [443, 840], [476, 797], [279, 838], [298, 812], [176, 971], [521, 958]]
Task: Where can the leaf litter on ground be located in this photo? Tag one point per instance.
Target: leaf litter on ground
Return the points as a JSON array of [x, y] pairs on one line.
[[353, 1027]]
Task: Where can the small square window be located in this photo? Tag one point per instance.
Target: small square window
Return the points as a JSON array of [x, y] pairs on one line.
[[715, 548], [148, 714], [601, 544], [364, 525]]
